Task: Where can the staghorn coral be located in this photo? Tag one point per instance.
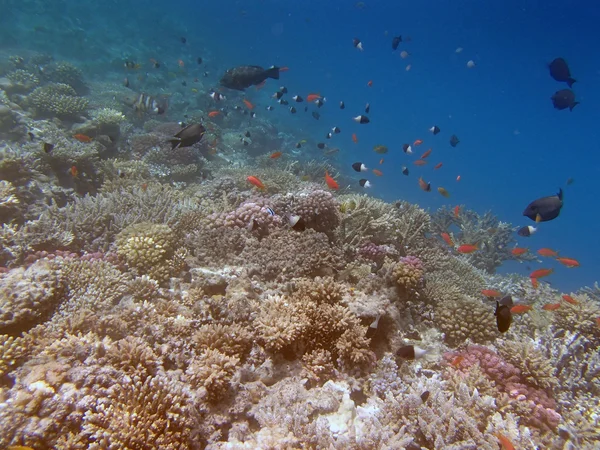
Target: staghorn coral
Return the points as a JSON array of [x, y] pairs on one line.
[[212, 371], [535, 367], [279, 324], [23, 81], [463, 318], [230, 339], [581, 317], [58, 99], [13, 351]]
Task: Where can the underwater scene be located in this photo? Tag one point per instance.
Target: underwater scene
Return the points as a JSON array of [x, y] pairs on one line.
[[268, 224]]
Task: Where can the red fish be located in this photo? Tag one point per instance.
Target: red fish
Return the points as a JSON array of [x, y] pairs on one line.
[[548, 252], [437, 166], [551, 306], [520, 309], [491, 293], [420, 162], [534, 282], [377, 172], [447, 239], [569, 299], [518, 251], [248, 104], [458, 178], [417, 142], [426, 154], [370, 83], [456, 210], [381, 161], [504, 442], [331, 182], [214, 113], [275, 155], [74, 172], [467, 248], [256, 182], [312, 97], [82, 138], [569, 262], [540, 273], [423, 185], [354, 138]]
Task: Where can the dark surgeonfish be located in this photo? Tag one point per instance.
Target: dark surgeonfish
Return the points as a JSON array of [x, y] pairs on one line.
[[240, 78], [563, 99], [559, 70], [545, 208], [188, 136], [503, 317]]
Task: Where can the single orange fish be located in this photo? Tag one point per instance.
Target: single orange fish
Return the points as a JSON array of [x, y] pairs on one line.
[[354, 138], [248, 104], [275, 155], [74, 172], [548, 252], [377, 172], [534, 282], [214, 113], [370, 83], [504, 442], [569, 262], [312, 97], [540, 273], [551, 306], [491, 293], [569, 299], [423, 185], [181, 63], [598, 321], [144, 186], [467, 248], [82, 138], [256, 182], [458, 178], [457, 360], [456, 210], [420, 162], [426, 154], [447, 239], [520, 309], [381, 161], [518, 251], [331, 182], [284, 69], [437, 166], [417, 142]]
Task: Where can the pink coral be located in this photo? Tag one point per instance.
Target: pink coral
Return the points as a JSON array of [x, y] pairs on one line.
[[253, 215], [374, 252], [318, 209], [409, 273], [541, 408]]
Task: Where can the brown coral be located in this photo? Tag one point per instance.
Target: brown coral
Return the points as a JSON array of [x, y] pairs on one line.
[[212, 371], [465, 318]]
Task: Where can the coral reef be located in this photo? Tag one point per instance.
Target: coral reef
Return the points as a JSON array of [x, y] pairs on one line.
[[58, 99]]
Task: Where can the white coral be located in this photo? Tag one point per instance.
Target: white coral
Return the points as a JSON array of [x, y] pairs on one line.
[[108, 116]]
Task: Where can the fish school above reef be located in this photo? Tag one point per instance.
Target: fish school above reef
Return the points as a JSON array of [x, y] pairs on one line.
[[199, 285]]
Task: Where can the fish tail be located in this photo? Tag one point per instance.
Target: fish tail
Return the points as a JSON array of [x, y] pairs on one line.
[[573, 106], [273, 72], [570, 81], [175, 142]]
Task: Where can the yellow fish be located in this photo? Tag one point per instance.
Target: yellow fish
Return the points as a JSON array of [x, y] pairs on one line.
[[443, 192], [194, 90]]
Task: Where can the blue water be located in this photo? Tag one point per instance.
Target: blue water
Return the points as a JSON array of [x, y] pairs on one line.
[[514, 146]]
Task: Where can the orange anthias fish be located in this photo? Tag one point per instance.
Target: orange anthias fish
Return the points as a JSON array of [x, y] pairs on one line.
[[377, 172], [424, 185], [457, 360], [420, 162], [82, 138], [354, 138], [456, 210], [467, 248], [534, 282], [181, 63], [426, 154], [312, 97], [569, 299], [256, 182], [458, 178], [331, 182], [540, 273], [569, 262], [491, 293], [275, 155], [381, 161], [73, 171], [447, 239], [214, 113], [248, 104], [548, 252], [417, 142], [370, 83], [520, 309], [437, 166], [551, 306], [518, 251], [504, 442]]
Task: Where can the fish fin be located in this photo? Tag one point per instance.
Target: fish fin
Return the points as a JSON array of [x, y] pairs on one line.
[[570, 81], [573, 106], [175, 142], [560, 194], [273, 72]]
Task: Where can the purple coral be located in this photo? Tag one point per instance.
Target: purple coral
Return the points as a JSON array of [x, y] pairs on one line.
[[542, 408], [374, 252], [254, 215], [318, 209]]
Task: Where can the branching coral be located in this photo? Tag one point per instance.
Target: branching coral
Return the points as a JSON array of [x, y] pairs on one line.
[[535, 367], [212, 371], [58, 99]]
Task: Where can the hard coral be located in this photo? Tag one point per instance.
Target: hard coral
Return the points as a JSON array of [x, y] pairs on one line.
[[58, 99], [409, 273], [254, 215], [465, 318], [212, 371]]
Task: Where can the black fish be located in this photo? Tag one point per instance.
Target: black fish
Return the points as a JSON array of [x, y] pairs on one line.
[[357, 44], [321, 145], [503, 317], [31, 136], [293, 110], [183, 40], [559, 70], [424, 396], [240, 78], [454, 140], [199, 60], [545, 208], [507, 301], [396, 42], [48, 147], [435, 129], [342, 106], [361, 119], [316, 115], [247, 134], [188, 136], [410, 352], [404, 170], [364, 183], [359, 167], [563, 99], [526, 231], [367, 108]]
